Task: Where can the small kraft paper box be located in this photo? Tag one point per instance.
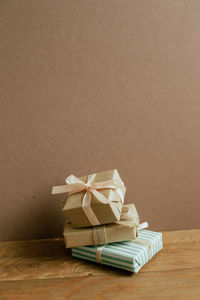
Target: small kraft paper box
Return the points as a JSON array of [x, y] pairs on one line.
[[128, 255], [94, 199], [127, 228]]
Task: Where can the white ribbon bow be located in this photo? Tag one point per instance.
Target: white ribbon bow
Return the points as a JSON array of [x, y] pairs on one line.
[[75, 185]]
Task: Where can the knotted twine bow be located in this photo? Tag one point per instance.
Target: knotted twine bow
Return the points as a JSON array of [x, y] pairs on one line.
[[75, 185]]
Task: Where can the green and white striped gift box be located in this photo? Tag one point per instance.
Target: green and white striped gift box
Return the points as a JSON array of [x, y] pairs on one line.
[[129, 255]]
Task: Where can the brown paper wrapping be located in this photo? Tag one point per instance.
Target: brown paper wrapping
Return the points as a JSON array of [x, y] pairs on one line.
[[120, 231], [105, 213], [129, 213]]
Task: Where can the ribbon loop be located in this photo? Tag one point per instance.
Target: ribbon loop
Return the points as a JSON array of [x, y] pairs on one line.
[[73, 179]]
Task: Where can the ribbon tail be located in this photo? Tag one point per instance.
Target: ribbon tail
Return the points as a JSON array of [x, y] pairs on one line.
[[68, 188], [88, 210], [60, 189], [143, 226]]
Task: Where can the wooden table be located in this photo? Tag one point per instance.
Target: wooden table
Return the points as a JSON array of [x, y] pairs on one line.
[[43, 269]]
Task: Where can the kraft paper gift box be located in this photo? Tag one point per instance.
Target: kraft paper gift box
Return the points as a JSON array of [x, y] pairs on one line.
[[127, 228], [128, 255], [93, 200]]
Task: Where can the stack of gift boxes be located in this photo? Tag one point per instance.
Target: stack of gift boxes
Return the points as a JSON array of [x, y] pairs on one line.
[[100, 228]]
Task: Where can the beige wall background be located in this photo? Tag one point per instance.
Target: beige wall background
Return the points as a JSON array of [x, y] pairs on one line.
[[88, 86]]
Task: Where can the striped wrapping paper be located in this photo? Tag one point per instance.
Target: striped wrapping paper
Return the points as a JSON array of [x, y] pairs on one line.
[[127, 255]]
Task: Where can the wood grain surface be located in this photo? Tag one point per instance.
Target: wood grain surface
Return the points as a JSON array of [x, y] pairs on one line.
[[44, 269]]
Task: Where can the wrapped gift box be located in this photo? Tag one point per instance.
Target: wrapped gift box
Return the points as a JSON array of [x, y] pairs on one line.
[[125, 229], [104, 213], [128, 255]]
